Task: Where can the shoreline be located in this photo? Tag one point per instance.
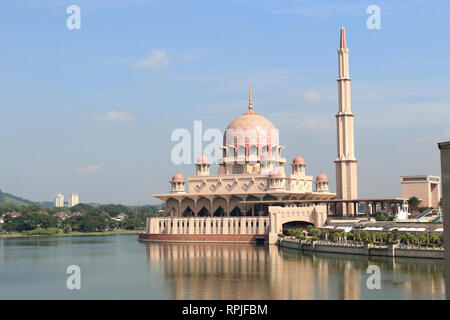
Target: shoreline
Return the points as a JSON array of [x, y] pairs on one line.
[[392, 250], [71, 234]]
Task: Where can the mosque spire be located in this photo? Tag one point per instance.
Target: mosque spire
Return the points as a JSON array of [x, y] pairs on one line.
[[250, 106], [343, 42], [346, 163]]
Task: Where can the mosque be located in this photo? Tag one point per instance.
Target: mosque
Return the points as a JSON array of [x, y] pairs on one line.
[[252, 193], [252, 169]]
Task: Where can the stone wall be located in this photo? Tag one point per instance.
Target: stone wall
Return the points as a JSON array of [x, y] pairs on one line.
[[208, 226], [367, 249], [230, 238]]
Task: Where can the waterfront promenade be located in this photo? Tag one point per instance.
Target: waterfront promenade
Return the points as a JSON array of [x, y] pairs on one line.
[[390, 250]]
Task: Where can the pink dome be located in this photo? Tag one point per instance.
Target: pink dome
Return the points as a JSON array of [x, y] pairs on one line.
[[298, 160], [253, 127], [202, 160], [275, 174], [321, 178], [177, 177]]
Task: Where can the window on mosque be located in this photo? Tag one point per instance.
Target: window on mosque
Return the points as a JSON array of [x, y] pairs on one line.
[[238, 169], [231, 152], [274, 152], [241, 151]]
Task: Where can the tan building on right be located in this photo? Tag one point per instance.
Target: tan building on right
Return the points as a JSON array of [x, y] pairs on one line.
[[425, 187]]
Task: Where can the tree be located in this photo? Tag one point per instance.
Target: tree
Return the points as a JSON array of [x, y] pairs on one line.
[[423, 238], [130, 223], [67, 229], [411, 238], [433, 237], [389, 237], [380, 216], [315, 232], [414, 203], [395, 234]]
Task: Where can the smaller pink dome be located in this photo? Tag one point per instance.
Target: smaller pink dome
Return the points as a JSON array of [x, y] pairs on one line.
[[275, 174], [202, 160], [298, 160], [177, 177], [321, 178]]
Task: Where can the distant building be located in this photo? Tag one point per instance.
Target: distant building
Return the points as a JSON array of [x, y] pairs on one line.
[[62, 215], [73, 199], [121, 216], [13, 214], [425, 187], [73, 214], [59, 200]]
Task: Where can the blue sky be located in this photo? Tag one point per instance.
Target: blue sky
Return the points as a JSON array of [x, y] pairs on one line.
[[92, 110]]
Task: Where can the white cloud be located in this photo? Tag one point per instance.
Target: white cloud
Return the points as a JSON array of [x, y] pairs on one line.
[[114, 116], [88, 169], [156, 60], [312, 97]]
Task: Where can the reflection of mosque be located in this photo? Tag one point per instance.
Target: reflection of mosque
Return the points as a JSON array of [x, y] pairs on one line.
[[240, 271]]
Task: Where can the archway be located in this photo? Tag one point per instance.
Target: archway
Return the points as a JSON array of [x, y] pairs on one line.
[[185, 204], [295, 225], [188, 212], [203, 202], [204, 212], [220, 212], [236, 212], [219, 202], [172, 206]]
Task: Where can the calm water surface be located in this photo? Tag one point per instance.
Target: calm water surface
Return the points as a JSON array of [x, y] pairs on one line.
[[120, 267]]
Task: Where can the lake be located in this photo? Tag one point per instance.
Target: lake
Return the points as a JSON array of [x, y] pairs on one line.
[[120, 267]]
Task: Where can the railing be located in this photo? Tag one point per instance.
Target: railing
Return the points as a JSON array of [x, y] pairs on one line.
[[208, 225]]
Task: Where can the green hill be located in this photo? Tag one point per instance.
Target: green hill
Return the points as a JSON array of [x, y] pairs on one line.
[[7, 198]]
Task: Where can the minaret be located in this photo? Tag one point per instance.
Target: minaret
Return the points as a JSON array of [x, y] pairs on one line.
[[346, 173], [250, 105]]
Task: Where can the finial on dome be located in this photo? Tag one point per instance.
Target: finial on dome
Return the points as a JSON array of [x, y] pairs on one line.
[[343, 42], [250, 106]]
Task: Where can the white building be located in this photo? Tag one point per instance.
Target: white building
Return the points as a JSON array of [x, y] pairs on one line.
[[59, 200], [73, 199]]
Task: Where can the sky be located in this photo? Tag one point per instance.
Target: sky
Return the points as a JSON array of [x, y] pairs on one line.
[[92, 110]]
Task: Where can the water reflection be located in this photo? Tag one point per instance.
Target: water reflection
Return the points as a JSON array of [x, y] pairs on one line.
[[224, 271]]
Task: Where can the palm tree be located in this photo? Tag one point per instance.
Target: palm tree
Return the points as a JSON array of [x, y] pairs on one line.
[[414, 203]]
